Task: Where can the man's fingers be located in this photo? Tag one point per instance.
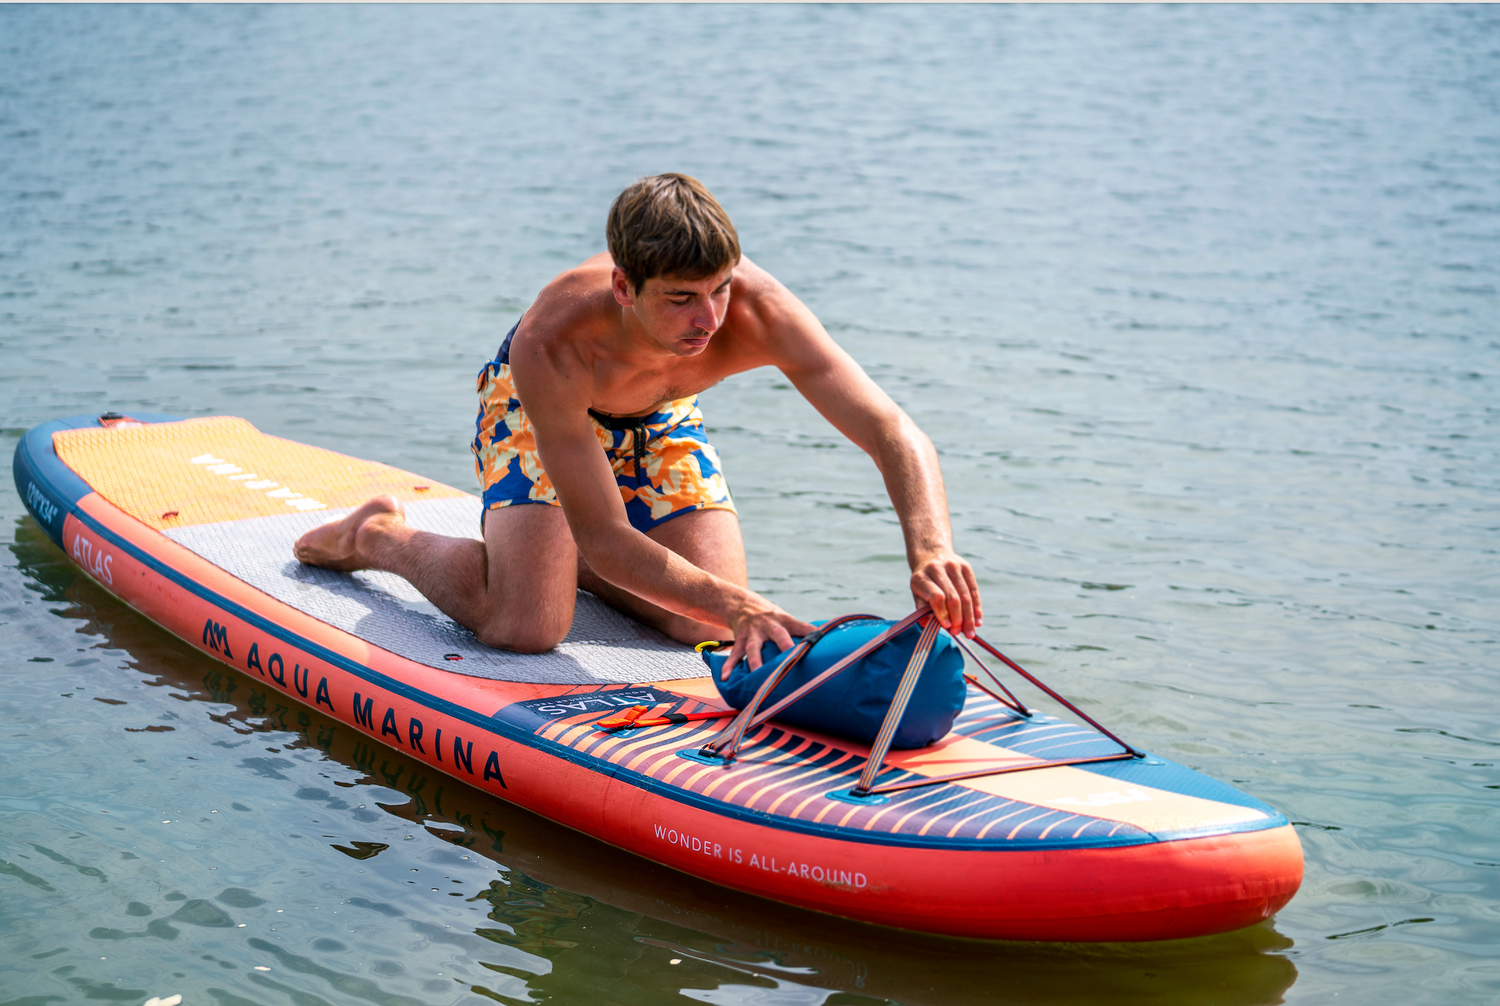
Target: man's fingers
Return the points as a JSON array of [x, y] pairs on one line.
[[733, 660], [962, 577], [973, 583], [776, 632], [925, 594], [950, 589], [967, 622], [781, 637], [955, 609], [925, 588], [753, 648], [768, 627], [960, 601]]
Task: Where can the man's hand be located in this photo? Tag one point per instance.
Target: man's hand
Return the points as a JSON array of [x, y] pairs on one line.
[[753, 625], [946, 582]]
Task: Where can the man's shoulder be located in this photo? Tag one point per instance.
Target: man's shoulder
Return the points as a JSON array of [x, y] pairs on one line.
[[574, 306], [761, 306], [755, 283], [592, 274]]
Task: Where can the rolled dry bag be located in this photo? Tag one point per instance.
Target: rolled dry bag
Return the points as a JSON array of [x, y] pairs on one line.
[[853, 703]]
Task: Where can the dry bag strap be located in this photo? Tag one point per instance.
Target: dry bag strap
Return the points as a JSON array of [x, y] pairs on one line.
[[728, 744], [1038, 682], [880, 640], [898, 704]]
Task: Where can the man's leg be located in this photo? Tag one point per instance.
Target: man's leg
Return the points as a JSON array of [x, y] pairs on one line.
[[515, 590], [710, 540]]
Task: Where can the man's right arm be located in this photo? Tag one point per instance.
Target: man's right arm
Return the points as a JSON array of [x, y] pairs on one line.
[[557, 403], [796, 343]]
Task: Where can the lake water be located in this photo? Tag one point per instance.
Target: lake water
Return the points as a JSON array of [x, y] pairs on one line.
[[1198, 304]]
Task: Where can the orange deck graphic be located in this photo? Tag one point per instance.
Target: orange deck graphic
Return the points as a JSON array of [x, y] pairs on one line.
[[199, 471]]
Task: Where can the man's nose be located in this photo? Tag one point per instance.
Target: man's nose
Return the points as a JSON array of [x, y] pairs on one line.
[[708, 317]]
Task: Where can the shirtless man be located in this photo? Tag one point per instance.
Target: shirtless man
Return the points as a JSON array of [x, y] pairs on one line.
[[613, 354]]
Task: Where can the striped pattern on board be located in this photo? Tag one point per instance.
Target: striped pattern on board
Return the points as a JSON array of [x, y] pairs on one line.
[[784, 774]]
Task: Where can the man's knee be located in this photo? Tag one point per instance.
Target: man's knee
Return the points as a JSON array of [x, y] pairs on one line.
[[528, 624], [530, 635], [530, 577]]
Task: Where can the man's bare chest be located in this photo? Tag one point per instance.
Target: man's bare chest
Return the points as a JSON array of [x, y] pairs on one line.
[[643, 392], [643, 398]]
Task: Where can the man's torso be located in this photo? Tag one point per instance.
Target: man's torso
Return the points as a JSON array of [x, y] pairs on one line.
[[576, 323]]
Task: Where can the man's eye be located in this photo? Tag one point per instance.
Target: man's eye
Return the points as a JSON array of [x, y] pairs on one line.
[[679, 303]]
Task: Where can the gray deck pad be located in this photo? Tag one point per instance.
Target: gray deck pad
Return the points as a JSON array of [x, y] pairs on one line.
[[603, 646]]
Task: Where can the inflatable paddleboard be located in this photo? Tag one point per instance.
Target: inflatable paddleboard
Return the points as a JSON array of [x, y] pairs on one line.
[[191, 522]]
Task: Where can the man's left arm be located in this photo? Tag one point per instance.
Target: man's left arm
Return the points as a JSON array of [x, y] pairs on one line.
[[846, 396]]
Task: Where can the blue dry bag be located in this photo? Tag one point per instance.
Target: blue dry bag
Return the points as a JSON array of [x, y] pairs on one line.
[[853, 703]]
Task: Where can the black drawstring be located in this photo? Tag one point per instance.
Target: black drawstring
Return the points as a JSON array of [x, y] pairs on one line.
[[638, 433], [636, 425]]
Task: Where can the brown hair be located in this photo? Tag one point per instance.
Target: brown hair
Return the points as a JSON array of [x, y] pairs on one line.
[[669, 225]]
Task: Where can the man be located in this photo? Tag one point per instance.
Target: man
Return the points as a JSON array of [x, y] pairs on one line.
[[613, 354]]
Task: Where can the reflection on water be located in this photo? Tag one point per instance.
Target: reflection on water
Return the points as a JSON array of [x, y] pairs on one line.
[[520, 909]]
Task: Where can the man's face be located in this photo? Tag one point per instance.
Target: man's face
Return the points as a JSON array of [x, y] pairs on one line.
[[681, 315]]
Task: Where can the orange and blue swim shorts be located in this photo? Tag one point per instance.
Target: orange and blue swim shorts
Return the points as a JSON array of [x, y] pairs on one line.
[[663, 463]]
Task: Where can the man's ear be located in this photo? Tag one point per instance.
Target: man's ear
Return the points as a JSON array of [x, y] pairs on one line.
[[620, 285]]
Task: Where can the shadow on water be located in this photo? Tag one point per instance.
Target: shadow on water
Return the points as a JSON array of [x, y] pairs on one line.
[[609, 922]]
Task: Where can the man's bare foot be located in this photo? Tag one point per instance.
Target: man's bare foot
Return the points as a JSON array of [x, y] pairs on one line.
[[335, 545]]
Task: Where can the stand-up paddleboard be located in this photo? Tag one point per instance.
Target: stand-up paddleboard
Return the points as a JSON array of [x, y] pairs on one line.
[[191, 522]]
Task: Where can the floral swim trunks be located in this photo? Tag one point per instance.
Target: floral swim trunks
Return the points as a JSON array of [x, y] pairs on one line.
[[663, 463]]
